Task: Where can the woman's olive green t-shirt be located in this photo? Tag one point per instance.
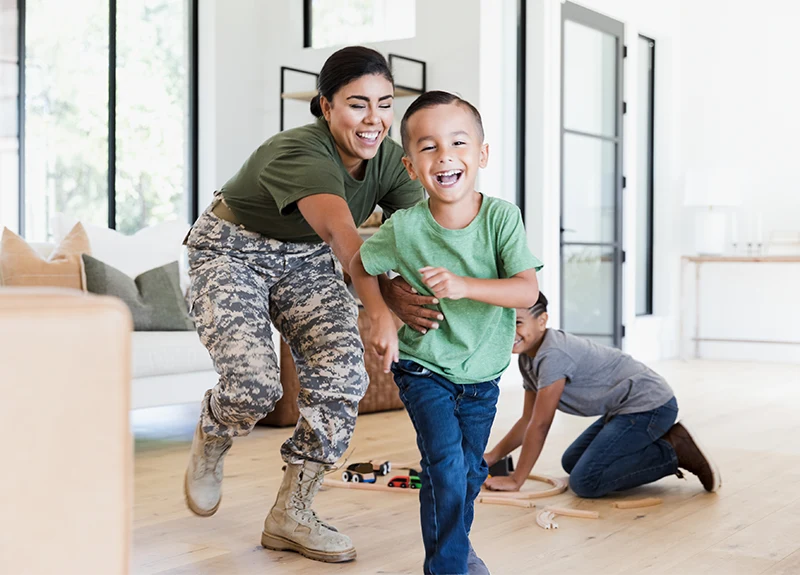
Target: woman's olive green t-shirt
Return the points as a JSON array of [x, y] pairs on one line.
[[302, 162]]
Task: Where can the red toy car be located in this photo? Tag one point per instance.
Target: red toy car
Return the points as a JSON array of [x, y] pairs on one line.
[[411, 480]]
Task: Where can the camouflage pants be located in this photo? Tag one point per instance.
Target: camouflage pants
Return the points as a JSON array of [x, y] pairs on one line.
[[242, 284]]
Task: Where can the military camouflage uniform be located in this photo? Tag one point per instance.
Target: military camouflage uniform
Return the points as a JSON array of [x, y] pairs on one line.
[[243, 283]]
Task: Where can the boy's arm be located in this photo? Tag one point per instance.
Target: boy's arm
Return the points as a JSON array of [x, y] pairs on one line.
[[514, 437], [383, 332], [520, 290], [544, 410]]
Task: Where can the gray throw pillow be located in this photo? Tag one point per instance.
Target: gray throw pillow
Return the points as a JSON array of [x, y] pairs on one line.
[[154, 297]]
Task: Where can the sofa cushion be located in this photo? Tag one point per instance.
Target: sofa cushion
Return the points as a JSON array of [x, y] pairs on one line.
[[165, 353], [22, 266], [154, 297], [146, 249]]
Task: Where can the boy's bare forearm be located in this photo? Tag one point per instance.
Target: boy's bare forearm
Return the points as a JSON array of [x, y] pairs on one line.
[[368, 289], [532, 445], [512, 439], [513, 292]]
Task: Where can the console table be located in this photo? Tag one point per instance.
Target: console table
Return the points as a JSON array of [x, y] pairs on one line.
[[698, 262]]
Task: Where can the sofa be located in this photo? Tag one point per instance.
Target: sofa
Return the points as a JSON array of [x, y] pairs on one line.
[[173, 367], [68, 477], [167, 367]]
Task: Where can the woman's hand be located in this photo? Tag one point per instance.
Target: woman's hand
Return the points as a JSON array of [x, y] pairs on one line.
[[503, 483], [407, 304], [444, 283], [383, 339]]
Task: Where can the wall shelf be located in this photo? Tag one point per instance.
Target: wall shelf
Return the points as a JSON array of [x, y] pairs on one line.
[[400, 91]]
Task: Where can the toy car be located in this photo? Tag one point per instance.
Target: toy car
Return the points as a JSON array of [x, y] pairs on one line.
[[365, 472], [411, 480]]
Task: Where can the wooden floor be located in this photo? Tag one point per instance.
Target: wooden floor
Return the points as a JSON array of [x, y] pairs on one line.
[[745, 414]]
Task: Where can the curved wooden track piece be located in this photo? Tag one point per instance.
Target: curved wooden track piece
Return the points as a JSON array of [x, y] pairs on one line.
[[637, 503], [544, 519], [559, 486]]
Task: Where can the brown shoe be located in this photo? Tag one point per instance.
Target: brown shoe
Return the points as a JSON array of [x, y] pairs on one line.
[[692, 458]]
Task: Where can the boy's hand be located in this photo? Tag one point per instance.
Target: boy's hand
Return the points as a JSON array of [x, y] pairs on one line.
[[502, 483], [383, 340], [444, 283]]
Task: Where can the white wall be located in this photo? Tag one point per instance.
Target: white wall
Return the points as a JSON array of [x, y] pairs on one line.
[[462, 41], [741, 89], [740, 104], [727, 89]]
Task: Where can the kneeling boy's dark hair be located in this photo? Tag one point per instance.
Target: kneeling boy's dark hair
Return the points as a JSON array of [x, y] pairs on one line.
[[539, 307], [436, 98]]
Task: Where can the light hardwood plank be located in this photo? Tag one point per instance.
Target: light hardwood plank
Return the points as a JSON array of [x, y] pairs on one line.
[[744, 414]]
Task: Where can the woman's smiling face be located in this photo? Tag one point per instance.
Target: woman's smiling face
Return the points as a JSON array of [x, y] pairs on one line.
[[359, 118]]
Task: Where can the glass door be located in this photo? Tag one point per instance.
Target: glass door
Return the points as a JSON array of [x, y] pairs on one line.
[[591, 175]]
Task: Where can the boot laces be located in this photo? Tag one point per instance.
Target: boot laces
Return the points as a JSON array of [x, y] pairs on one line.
[[308, 485]]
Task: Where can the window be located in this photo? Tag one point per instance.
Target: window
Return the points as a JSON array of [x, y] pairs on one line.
[[9, 117], [110, 113], [644, 192], [348, 22]]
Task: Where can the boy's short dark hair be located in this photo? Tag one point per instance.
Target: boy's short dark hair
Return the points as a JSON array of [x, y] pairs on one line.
[[437, 98], [539, 307]]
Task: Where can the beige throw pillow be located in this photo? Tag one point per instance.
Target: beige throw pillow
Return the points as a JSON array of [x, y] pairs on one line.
[[20, 265]]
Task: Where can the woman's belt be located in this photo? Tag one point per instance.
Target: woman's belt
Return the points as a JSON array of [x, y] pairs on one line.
[[223, 212]]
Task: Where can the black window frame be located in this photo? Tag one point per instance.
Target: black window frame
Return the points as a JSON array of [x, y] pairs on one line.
[[650, 179], [194, 147]]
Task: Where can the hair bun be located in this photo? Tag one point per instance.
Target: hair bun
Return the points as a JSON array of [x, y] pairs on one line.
[[316, 107]]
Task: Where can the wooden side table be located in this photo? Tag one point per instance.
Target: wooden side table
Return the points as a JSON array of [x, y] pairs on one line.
[[698, 261]]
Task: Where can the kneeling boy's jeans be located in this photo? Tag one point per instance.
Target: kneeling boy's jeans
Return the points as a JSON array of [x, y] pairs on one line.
[[453, 422], [622, 452]]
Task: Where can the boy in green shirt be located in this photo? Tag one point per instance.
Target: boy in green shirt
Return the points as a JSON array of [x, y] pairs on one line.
[[469, 251]]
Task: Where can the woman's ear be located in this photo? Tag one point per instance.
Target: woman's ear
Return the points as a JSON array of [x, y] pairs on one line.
[[326, 106]]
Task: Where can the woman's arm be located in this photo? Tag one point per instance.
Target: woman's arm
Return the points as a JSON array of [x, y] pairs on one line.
[[514, 437], [544, 410], [330, 217], [521, 290], [409, 306], [383, 332]]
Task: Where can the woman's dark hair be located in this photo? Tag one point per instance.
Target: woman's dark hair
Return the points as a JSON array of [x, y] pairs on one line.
[[436, 98], [344, 66], [539, 307]]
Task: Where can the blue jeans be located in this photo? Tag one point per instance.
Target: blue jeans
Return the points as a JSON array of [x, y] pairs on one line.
[[623, 452], [453, 423]]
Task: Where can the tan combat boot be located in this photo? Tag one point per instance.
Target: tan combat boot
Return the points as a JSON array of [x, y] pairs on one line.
[[202, 485], [293, 526]]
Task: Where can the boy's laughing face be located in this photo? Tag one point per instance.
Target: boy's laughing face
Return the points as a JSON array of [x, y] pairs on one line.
[[445, 151], [530, 331]]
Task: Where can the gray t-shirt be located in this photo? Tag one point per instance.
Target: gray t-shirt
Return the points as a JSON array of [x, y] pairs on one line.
[[600, 380]]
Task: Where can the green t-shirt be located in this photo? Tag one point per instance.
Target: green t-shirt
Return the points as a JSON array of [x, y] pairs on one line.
[[473, 343], [302, 162]]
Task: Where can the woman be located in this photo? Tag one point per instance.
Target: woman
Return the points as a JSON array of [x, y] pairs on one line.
[[270, 251]]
